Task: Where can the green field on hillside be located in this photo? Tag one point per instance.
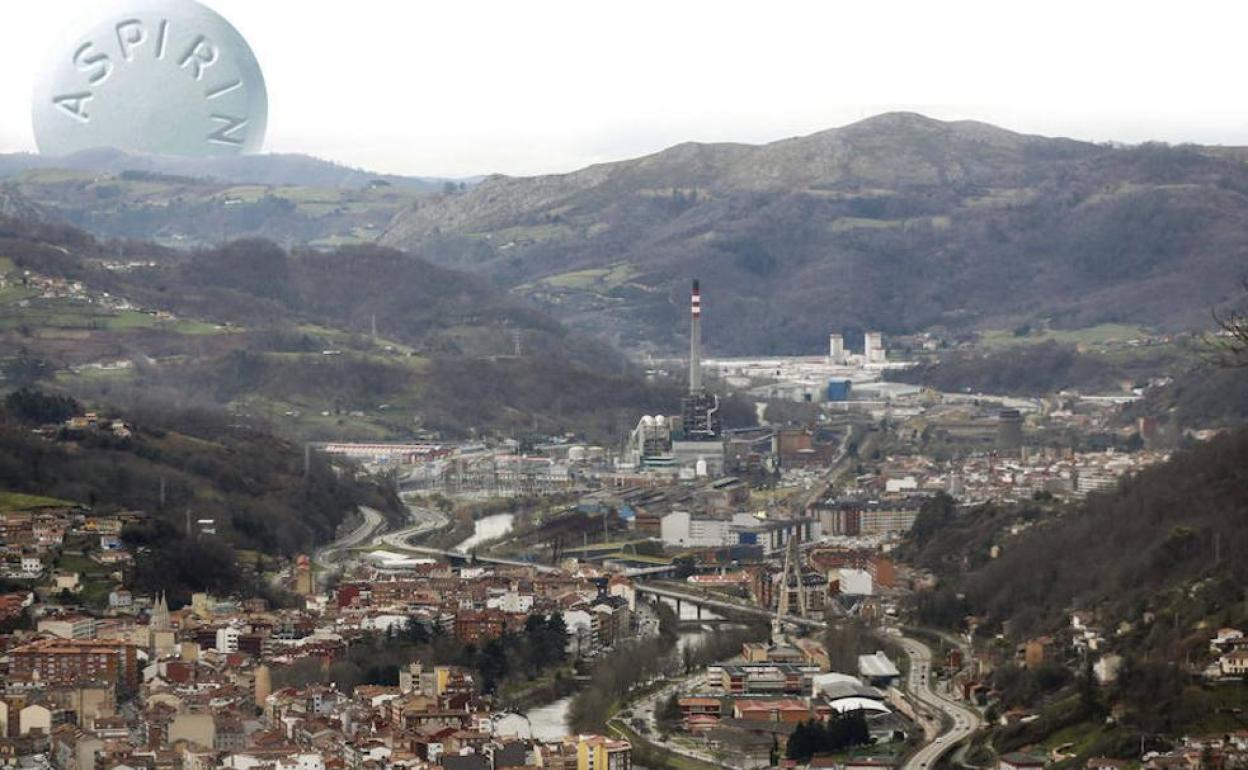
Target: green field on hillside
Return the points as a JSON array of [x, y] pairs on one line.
[[1093, 336], [16, 501]]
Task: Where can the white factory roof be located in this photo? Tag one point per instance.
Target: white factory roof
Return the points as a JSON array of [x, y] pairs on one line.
[[888, 389], [877, 665], [832, 677], [847, 705]]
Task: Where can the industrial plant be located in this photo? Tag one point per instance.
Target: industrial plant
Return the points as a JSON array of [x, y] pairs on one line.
[[692, 444]]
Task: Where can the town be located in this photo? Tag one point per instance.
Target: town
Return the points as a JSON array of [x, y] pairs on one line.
[[699, 597]]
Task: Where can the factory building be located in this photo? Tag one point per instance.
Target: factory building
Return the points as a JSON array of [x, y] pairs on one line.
[[686, 530], [692, 444], [650, 443], [839, 389], [699, 448], [836, 349], [873, 348]]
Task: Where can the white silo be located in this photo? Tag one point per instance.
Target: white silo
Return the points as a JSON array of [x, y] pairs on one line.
[[873, 348], [836, 349]]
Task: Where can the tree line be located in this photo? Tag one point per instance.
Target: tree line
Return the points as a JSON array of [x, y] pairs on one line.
[[539, 647], [838, 733], [633, 664]]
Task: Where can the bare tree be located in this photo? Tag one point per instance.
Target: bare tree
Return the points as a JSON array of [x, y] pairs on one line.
[[1230, 342]]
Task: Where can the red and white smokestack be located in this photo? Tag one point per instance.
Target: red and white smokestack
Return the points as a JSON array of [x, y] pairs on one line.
[[695, 339]]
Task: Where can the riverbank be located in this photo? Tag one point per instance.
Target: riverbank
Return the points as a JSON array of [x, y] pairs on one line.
[[540, 692], [468, 526], [654, 757]]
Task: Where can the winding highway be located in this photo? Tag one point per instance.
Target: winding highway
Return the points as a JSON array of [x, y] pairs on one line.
[[423, 520], [964, 720], [325, 557], [371, 531], [427, 520]]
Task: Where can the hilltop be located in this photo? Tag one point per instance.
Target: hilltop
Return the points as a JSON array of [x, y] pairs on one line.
[[898, 222], [295, 200], [267, 169]]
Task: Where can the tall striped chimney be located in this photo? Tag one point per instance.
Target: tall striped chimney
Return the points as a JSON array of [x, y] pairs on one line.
[[695, 339]]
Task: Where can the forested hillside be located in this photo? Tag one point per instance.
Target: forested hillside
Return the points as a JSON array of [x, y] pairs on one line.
[[253, 485], [1165, 545], [286, 339], [168, 469], [1154, 567], [1042, 369], [1201, 395], [898, 222]]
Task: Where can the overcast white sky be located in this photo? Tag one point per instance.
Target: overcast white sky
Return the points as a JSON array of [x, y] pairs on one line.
[[460, 87]]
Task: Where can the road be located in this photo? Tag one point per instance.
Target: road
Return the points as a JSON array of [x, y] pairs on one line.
[[427, 519], [964, 719], [646, 707], [424, 520], [371, 532], [326, 556], [838, 467]]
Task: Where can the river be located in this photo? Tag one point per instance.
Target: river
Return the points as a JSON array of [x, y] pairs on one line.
[[550, 722], [487, 528]]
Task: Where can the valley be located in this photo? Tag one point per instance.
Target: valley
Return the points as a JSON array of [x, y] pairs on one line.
[[380, 472]]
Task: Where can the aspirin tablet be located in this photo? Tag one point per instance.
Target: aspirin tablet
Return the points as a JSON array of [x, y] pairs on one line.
[[167, 77]]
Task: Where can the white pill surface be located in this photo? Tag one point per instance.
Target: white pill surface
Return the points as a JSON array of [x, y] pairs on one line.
[[166, 77]]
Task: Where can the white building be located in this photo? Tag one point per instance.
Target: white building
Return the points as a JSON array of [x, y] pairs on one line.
[[902, 484], [877, 670], [855, 582], [836, 349], [873, 348], [1224, 638], [296, 760], [580, 625], [227, 639], [625, 590], [650, 443], [512, 602], [1089, 480], [68, 626], [683, 529]]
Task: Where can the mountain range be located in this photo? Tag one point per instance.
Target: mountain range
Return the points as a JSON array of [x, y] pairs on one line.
[[898, 222], [269, 169]]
